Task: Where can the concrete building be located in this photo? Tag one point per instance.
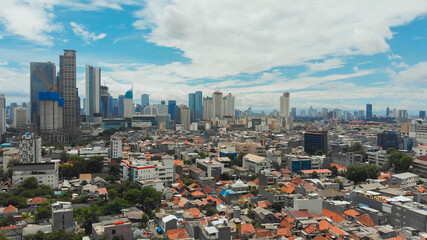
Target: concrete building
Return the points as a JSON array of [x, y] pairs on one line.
[[93, 93], [420, 150], [120, 228], [229, 106], [217, 101], [256, 164], [418, 130], [378, 158], [285, 105], [347, 159], [254, 148], [62, 216], [115, 148], [30, 148], [388, 139], [45, 173], [2, 114], [20, 118], [211, 167], [51, 117], [185, 115], [68, 91], [141, 170], [42, 79], [128, 104], [404, 179]]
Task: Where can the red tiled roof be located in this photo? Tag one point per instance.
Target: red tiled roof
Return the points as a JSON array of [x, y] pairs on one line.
[[285, 224], [9, 208], [37, 200], [301, 214], [177, 233], [352, 213], [309, 229], [366, 220], [102, 190], [283, 232], [208, 189], [332, 215], [247, 228], [197, 194], [264, 233], [421, 189]]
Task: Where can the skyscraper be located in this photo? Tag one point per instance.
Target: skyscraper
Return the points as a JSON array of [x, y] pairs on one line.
[[105, 98], [51, 117], [93, 92], [198, 105], [217, 109], [368, 111], [145, 100], [128, 104], [228, 109], [171, 108], [68, 91], [285, 105], [192, 105], [120, 106], [314, 141], [388, 139], [422, 114], [294, 112], [2, 114], [42, 79], [387, 112], [185, 117]]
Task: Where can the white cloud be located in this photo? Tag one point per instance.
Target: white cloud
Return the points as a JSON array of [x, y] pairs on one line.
[[393, 56], [415, 74], [87, 36], [223, 38], [3, 63]]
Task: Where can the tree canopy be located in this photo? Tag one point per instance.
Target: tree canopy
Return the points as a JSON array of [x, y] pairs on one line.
[[363, 172], [398, 161]]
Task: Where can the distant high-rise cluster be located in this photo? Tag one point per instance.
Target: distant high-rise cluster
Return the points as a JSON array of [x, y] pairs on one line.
[[285, 105], [218, 106]]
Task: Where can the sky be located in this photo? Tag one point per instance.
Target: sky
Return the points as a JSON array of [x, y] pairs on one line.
[[331, 53]]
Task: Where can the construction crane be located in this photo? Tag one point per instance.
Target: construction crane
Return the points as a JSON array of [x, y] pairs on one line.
[[42, 76]]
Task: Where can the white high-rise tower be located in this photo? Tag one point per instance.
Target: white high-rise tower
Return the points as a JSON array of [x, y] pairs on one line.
[[284, 105]]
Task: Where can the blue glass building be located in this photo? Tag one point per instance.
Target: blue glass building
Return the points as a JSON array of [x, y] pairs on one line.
[[171, 108], [368, 111], [145, 100], [192, 106]]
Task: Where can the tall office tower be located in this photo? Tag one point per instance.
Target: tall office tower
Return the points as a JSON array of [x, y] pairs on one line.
[[403, 114], [422, 114], [185, 117], [284, 105], [42, 79], [207, 108], [228, 106], [145, 100], [93, 92], [51, 117], [2, 114], [12, 111], [68, 91], [30, 148], [368, 111], [198, 102], [171, 108], [361, 114], [105, 98], [387, 112], [192, 105], [128, 104], [314, 141], [294, 112], [217, 110], [20, 118], [163, 102], [120, 106], [346, 115], [388, 139]]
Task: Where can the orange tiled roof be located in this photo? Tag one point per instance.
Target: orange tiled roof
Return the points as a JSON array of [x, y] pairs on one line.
[[85, 176], [178, 162], [352, 213], [264, 233], [9, 208], [286, 224], [197, 194], [283, 232], [421, 189], [194, 212], [247, 228], [309, 229], [102, 190], [366, 220], [37, 200], [177, 233], [332, 215]]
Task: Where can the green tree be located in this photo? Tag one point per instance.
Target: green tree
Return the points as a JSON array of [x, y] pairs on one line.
[[390, 149], [150, 198], [314, 175], [277, 207], [251, 214], [211, 211], [361, 173], [43, 212], [276, 165], [189, 181], [239, 159], [7, 221], [398, 161], [88, 220], [132, 195], [114, 169], [30, 183], [318, 153], [144, 221], [336, 180], [334, 170], [202, 155], [83, 183], [94, 164]]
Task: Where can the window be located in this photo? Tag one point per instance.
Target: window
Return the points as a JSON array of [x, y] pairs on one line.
[[114, 231]]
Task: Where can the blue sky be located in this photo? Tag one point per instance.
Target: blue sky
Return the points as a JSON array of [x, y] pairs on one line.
[[345, 56]]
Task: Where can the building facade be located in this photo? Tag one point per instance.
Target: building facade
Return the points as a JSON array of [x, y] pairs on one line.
[[51, 117], [62, 216], [30, 148], [45, 173], [314, 141], [93, 92], [285, 105]]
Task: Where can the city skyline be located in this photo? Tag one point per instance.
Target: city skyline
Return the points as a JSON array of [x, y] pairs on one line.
[[348, 60]]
